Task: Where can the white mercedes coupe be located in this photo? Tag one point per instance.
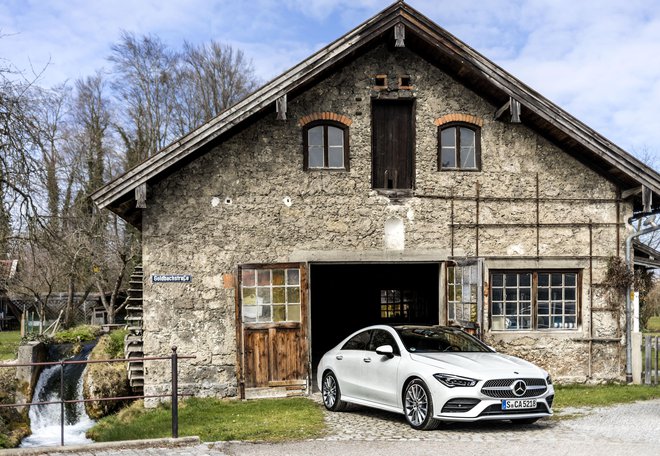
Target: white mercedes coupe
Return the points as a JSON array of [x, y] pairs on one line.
[[432, 374]]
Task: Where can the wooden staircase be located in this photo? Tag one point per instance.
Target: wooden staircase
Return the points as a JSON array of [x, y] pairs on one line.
[[133, 340]]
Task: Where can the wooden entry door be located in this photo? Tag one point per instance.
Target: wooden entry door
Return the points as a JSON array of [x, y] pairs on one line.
[[273, 321], [393, 140]]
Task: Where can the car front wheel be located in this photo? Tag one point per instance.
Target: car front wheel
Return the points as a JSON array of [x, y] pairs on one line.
[[418, 406], [331, 393]]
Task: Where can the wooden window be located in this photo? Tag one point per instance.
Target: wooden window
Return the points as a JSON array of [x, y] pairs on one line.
[[325, 145], [543, 300], [459, 147], [270, 295], [462, 289]]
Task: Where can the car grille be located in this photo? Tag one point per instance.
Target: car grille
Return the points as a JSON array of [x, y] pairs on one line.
[[459, 405], [502, 388], [496, 409]]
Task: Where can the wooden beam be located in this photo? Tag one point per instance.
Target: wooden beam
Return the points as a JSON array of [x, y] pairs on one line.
[[502, 109], [280, 107], [141, 196], [630, 192], [399, 35], [647, 199], [515, 110]]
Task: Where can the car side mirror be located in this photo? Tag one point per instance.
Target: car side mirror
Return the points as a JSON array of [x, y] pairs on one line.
[[385, 350]]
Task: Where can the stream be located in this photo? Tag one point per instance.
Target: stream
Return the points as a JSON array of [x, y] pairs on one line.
[[45, 419]]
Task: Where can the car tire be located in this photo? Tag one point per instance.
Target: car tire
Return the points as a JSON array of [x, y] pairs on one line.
[[331, 393], [525, 421], [418, 406]]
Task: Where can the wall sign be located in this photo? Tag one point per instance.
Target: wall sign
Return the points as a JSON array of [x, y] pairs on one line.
[[171, 278]]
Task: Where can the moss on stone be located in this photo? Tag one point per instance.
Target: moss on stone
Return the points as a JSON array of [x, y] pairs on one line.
[[14, 425], [104, 380]]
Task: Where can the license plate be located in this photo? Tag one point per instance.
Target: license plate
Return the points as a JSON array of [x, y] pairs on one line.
[[518, 404]]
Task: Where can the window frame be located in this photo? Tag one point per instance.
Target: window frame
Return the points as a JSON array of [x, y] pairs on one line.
[[534, 298], [325, 124], [477, 146]]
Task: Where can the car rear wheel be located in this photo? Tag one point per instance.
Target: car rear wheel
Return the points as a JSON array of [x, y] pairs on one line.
[[418, 406], [331, 393]]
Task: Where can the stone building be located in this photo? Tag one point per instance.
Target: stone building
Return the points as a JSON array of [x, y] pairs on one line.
[[394, 176]]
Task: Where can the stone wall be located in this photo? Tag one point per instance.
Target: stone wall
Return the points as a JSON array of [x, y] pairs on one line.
[[249, 201]]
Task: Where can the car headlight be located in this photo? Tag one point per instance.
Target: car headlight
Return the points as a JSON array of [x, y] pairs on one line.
[[450, 381], [548, 380]]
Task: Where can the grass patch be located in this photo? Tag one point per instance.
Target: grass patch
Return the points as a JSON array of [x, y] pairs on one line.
[[9, 341], [272, 420], [602, 395], [82, 333], [653, 325]]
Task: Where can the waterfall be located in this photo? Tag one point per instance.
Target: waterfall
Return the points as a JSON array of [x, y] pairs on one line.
[[45, 419]]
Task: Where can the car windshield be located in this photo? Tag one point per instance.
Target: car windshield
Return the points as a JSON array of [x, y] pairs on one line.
[[439, 339]]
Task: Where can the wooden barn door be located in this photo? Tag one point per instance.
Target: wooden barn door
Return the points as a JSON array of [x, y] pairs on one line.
[[273, 317], [393, 140]]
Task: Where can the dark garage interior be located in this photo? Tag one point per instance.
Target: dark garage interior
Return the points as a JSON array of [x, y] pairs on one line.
[[347, 297]]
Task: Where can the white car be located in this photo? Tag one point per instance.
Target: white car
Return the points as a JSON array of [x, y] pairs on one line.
[[432, 374]]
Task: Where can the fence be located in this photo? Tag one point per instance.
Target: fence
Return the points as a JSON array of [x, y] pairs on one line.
[[174, 394], [651, 351]]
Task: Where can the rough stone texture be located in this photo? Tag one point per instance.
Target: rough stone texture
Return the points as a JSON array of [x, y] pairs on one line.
[[227, 208]]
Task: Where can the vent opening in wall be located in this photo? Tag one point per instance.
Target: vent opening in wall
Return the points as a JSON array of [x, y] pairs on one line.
[[405, 82], [380, 81]]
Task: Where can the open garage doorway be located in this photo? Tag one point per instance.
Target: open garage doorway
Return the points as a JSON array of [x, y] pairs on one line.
[[347, 297]]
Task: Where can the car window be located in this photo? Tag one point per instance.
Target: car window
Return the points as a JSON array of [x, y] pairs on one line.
[[439, 339], [382, 337], [358, 341]]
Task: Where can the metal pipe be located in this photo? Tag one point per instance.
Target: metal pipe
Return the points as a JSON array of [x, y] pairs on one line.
[[62, 404], [175, 397]]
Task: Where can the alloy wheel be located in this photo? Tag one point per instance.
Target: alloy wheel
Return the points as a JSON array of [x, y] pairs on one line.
[[329, 391], [417, 404]]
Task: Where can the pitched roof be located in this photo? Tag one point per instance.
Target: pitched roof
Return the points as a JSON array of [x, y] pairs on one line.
[[431, 42]]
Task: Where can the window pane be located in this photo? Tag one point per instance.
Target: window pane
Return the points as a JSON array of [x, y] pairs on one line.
[[336, 157], [278, 276], [279, 295], [264, 314], [498, 294], [292, 277], [525, 280], [249, 296], [569, 280], [448, 148], [544, 280], [247, 277], [497, 280], [293, 295], [543, 322], [315, 136], [335, 137], [263, 277], [279, 313], [294, 313], [556, 279], [468, 158], [263, 295], [315, 157], [249, 314]]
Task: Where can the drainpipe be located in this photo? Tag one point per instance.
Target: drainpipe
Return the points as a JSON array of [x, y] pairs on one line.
[[629, 265]]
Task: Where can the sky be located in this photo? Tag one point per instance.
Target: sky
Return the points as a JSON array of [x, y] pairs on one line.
[[597, 59]]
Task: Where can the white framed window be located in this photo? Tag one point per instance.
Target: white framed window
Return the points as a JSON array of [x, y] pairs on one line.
[[270, 295], [534, 300]]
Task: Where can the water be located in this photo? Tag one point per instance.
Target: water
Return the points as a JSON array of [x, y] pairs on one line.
[[45, 419]]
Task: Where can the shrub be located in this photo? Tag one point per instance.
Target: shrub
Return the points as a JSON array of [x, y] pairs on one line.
[[82, 333]]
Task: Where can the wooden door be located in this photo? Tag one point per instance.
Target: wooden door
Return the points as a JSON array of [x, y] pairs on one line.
[[393, 139], [272, 313]]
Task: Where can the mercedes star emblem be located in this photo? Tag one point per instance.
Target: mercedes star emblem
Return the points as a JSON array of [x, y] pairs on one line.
[[519, 388]]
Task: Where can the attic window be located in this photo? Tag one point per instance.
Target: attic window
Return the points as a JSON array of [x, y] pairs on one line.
[[459, 147], [325, 146], [380, 81], [405, 82]]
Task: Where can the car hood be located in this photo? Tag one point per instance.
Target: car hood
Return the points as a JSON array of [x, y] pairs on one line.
[[484, 364]]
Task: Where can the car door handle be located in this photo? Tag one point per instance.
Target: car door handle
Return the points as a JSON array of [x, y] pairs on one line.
[[339, 357], [366, 360]]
